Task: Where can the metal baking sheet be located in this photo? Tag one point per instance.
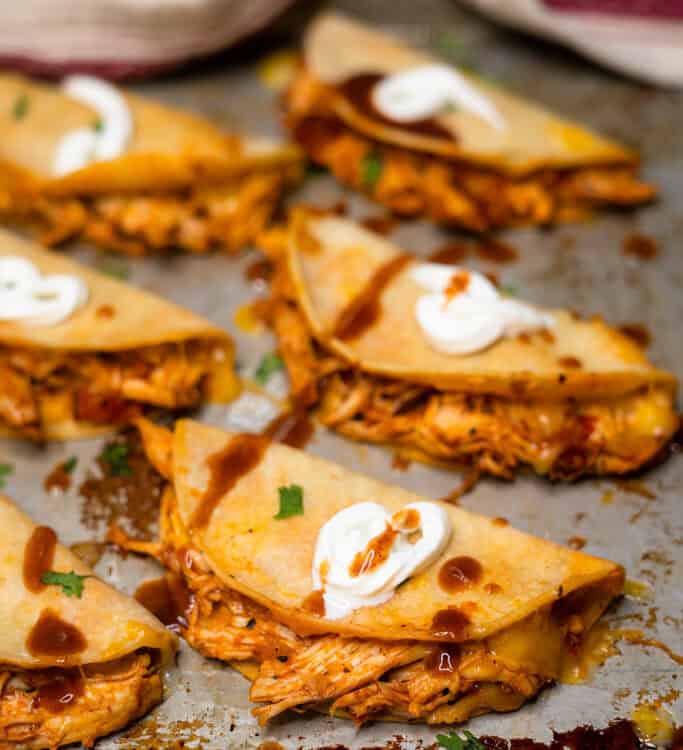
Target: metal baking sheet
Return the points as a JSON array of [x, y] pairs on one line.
[[580, 267]]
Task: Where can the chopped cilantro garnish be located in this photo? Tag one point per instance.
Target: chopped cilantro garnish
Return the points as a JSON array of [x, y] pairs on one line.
[[372, 169], [116, 455], [114, 267], [291, 502], [70, 464], [453, 741], [71, 583], [5, 471], [509, 290], [21, 105], [97, 125], [269, 364], [451, 46]]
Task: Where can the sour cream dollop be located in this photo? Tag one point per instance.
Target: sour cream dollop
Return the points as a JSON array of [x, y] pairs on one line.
[[463, 312], [427, 90], [29, 297], [104, 140], [363, 553]]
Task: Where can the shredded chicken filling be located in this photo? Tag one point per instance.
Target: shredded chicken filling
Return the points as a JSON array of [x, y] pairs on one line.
[[215, 217], [564, 439], [47, 708], [411, 183], [359, 678], [39, 386]]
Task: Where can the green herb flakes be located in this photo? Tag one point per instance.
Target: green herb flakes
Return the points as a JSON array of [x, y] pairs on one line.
[[71, 583], [291, 502], [269, 364], [372, 169], [98, 125], [5, 471], [70, 464], [453, 741], [116, 455], [21, 107], [115, 267]]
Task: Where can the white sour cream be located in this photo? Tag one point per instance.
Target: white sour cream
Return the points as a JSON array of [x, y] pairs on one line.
[[114, 128], [473, 318], [427, 91], [415, 537], [29, 297]]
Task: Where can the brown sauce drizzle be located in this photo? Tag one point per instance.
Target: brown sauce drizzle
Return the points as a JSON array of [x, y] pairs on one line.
[[379, 224], [571, 363], [105, 311], [375, 553], [365, 309], [357, 90], [450, 254], [458, 284], [39, 555], [640, 246], [61, 692], [443, 658], [58, 479], [293, 428], [259, 270], [226, 467], [167, 598], [450, 624], [459, 573], [314, 603], [496, 251], [637, 333], [493, 588], [51, 636]]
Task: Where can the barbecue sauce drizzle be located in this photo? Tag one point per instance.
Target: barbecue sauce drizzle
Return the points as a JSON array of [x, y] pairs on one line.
[[39, 555]]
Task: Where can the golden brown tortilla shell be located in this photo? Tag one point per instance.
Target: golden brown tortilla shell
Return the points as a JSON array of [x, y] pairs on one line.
[[270, 560], [170, 148], [337, 48], [113, 624], [326, 279], [139, 318]]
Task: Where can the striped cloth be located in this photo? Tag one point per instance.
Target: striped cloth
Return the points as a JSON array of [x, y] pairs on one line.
[[641, 38], [120, 38]]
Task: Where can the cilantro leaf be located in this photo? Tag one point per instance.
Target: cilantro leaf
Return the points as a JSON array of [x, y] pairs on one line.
[[70, 464], [291, 502], [98, 125], [269, 364], [5, 471], [71, 583], [453, 741], [20, 108], [114, 267], [372, 169], [509, 290], [116, 455]]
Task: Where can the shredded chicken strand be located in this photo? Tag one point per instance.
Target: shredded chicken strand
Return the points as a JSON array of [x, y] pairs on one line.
[[110, 697], [38, 386], [222, 217], [412, 183]]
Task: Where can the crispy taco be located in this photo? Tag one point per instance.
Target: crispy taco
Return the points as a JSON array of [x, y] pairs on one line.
[[81, 352], [332, 591], [428, 140], [129, 174], [67, 673], [434, 360]]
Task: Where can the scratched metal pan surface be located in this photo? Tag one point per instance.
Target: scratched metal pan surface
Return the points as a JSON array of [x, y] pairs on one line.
[[580, 267]]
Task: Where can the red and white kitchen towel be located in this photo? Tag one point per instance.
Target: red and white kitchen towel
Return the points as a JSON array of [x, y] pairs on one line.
[[641, 38], [119, 38]]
